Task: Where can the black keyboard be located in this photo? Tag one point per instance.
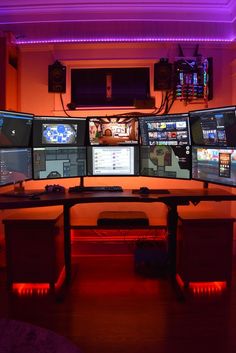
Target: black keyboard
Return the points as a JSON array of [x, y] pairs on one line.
[[75, 189]]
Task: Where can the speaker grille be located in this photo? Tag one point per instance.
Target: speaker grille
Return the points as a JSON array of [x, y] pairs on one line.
[[57, 78], [162, 76]]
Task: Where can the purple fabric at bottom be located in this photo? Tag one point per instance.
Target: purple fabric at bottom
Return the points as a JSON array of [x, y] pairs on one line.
[[21, 337]]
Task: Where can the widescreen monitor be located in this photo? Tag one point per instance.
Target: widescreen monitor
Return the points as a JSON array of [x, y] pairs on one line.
[[113, 160], [118, 130], [58, 131], [15, 165], [166, 161], [172, 129], [214, 165], [59, 162], [15, 129], [213, 127]]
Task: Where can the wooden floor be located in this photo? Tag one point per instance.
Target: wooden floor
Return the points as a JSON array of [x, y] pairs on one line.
[[108, 308]]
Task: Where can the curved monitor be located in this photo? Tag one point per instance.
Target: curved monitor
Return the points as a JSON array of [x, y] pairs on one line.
[[213, 127], [215, 165], [15, 129], [15, 166], [171, 129], [112, 131], [58, 131], [166, 161], [113, 160]]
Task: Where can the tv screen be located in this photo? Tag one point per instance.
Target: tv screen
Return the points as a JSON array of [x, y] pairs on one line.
[[15, 129], [16, 165], [59, 162], [117, 130], [172, 129], [58, 131], [166, 161], [113, 160], [109, 86], [213, 127], [215, 165]]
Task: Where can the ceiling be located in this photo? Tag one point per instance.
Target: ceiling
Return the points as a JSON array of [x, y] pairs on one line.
[[114, 20]]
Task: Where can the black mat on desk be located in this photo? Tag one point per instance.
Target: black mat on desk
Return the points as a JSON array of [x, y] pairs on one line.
[[122, 218]]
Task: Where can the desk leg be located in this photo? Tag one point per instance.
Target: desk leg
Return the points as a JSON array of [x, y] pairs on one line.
[[67, 242], [172, 220]]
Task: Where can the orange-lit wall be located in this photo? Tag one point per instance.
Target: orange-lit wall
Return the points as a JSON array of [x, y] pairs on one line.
[[34, 96]]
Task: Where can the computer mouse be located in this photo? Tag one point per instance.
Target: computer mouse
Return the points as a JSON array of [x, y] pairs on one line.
[[144, 190]]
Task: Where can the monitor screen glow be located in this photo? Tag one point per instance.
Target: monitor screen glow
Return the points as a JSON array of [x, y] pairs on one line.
[[215, 165], [166, 161], [113, 131], [172, 129], [214, 127], [15, 166], [113, 160], [59, 131], [59, 162], [15, 129]]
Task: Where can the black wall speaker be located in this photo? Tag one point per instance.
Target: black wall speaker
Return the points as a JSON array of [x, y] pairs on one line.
[[57, 78], [162, 75]]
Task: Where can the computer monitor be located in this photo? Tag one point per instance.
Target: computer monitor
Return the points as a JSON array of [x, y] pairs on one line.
[[166, 161], [59, 162], [171, 129], [58, 131], [113, 160], [112, 131], [15, 165], [15, 129], [213, 127], [214, 165]]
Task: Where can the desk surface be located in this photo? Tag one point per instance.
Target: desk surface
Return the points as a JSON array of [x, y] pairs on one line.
[[175, 197]]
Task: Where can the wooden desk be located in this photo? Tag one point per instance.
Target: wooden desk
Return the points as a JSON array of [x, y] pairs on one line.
[[173, 199]]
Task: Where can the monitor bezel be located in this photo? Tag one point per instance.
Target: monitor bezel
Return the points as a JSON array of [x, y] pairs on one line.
[[167, 177], [166, 117], [209, 181], [228, 107], [58, 178], [135, 147], [27, 115], [52, 120], [31, 165], [90, 118]]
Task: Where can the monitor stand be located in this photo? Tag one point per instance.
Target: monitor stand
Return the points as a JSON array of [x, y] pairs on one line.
[[81, 184]]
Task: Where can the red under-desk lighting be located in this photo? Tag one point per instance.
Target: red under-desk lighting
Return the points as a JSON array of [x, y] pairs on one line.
[[28, 289], [39, 289], [203, 288]]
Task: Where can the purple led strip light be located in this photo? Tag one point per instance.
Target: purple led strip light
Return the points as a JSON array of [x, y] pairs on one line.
[[124, 40]]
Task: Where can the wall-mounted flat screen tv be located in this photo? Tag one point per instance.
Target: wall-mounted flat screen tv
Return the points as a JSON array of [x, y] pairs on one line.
[[109, 86]]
